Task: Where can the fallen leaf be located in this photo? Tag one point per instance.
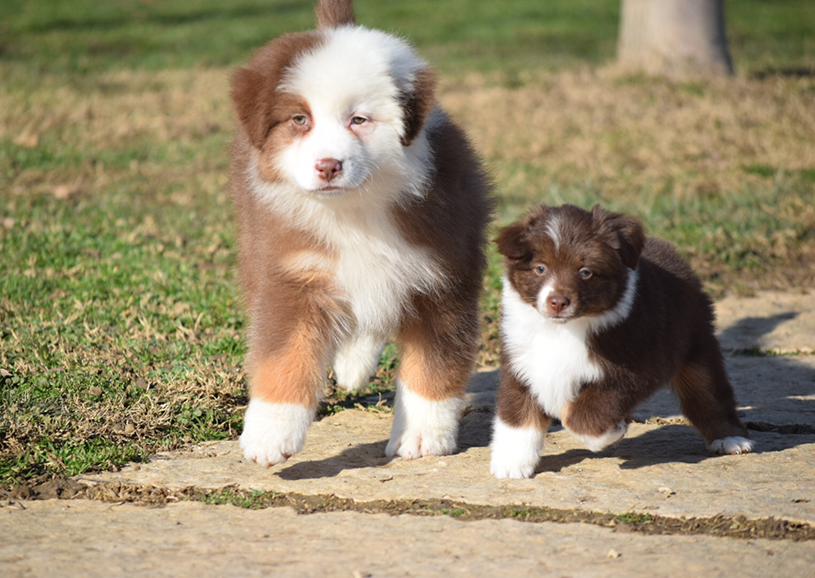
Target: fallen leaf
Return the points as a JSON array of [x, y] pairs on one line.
[[62, 191], [27, 139]]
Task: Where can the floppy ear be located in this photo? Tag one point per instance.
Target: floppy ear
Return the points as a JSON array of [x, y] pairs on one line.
[[417, 103], [247, 90], [625, 234], [511, 241]]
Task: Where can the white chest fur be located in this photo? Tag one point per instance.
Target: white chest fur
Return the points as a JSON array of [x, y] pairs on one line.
[[552, 359], [376, 270]]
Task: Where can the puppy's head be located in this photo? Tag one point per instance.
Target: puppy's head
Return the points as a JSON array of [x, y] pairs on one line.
[[330, 110], [570, 263]]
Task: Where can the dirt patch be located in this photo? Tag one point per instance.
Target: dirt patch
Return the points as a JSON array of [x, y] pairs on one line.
[[54, 488], [720, 526]]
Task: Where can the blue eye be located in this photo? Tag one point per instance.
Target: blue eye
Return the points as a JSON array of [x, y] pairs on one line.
[[585, 274]]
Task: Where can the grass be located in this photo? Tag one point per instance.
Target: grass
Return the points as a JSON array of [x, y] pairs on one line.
[[121, 331]]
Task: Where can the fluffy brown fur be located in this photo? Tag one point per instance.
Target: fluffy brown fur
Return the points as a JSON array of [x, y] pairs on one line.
[[299, 311], [573, 268]]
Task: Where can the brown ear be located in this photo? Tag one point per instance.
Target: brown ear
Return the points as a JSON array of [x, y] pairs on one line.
[[511, 241], [417, 103], [334, 13], [625, 234], [247, 90]]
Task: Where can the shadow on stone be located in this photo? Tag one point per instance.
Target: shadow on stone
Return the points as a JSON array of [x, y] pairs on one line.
[[475, 430], [752, 328], [359, 456], [667, 444]]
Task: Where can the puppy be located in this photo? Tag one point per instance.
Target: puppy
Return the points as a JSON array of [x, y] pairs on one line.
[[361, 212], [596, 317]]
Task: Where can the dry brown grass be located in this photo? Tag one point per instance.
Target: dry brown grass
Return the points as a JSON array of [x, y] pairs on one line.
[[626, 134]]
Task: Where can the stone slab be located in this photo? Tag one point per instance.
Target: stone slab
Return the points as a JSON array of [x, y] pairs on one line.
[[779, 322], [344, 456], [79, 538], [773, 390], [769, 390]]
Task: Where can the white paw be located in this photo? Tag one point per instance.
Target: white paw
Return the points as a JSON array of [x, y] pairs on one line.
[[422, 427], [598, 443], [733, 446], [273, 432], [355, 361], [515, 450]]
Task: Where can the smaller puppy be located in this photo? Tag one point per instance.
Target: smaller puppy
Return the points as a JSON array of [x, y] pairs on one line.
[[596, 317]]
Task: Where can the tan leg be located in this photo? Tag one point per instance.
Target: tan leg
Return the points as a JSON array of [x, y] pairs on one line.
[[294, 327], [437, 354]]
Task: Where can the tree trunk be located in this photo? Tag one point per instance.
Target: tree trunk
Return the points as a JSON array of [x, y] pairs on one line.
[[674, 37]]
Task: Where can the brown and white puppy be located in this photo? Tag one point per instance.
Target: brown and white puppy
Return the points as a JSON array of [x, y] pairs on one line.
[[361, 214], [595, 318]]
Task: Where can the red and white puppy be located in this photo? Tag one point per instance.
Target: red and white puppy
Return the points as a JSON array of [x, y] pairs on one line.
[[595, 318], [361, 214]]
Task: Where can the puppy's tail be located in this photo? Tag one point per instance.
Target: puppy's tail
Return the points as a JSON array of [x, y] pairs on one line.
[[334, 13]]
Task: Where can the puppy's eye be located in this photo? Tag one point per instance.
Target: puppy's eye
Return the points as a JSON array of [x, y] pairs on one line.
[[540, 269], [300, 119], [585, 273], [359, 120]]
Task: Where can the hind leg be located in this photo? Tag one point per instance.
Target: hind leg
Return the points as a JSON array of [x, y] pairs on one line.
[[707, 400], [437, 348], [355, 361]]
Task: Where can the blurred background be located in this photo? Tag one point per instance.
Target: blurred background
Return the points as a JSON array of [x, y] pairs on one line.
[[120, 324]]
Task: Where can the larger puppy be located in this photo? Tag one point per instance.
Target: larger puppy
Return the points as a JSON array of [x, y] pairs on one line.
[[361, 213]]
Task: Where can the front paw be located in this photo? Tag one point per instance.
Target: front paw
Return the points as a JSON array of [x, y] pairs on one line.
[[515, 450], [423, 427], [600, 442], [417, 444], [735, 445], [273, 432]]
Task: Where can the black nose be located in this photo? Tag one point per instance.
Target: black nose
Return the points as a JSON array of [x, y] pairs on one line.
[[327, 169], [557, 303]]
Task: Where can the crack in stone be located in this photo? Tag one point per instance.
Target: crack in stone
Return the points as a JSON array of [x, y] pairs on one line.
[[785, 429], [736, 527]]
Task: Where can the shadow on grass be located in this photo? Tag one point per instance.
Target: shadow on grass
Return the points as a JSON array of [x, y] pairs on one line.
[[798, 72]]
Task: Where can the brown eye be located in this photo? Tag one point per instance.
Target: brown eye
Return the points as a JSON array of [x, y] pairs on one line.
[[585, 273], [540, 269], [300, 119], [359, 120]]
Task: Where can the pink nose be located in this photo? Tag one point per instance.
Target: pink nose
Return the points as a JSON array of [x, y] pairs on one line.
[[557, 303], [327, 169]]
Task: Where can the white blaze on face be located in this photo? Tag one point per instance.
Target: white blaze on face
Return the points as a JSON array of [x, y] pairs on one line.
[[543, 295], [356, 73]]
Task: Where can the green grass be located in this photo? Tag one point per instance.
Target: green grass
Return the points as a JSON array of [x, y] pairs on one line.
[[82, 36], [121, 331]]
